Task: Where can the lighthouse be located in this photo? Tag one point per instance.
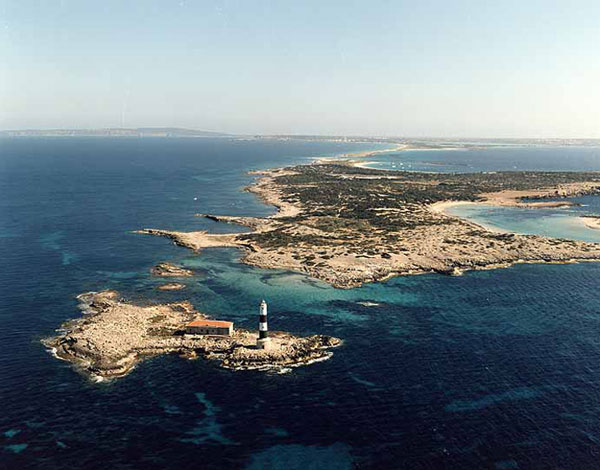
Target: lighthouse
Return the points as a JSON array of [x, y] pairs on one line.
[[263, 341], [263, 329]]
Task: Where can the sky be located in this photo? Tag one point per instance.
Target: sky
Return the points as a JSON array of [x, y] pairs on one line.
[[448, 68]]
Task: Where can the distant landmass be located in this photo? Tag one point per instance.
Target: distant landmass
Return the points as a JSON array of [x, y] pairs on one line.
[[407, 142], [116, 132], [440, 142]]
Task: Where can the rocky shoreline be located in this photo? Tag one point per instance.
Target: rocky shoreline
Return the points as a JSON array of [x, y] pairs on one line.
[[347, 226], [114, 336]]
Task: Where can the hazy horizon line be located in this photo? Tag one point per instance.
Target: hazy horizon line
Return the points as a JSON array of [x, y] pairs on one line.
[[298, 134]]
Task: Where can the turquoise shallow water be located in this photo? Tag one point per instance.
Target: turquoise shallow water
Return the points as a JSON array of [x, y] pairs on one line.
[[561, 222], [555, 222], [493, 369]]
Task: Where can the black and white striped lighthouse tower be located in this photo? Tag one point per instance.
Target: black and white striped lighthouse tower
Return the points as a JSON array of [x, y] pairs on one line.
[[263, 341], [263, 329]]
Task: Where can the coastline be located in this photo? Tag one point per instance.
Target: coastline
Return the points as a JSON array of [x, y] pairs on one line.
[[592, 222], [444, 208], [347, 157], [315, 232], [371, 153], [101, 351]]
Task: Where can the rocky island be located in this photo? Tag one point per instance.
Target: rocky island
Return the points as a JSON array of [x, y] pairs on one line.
[[114, 335], [170, 286], [348, 225], [170, 270]]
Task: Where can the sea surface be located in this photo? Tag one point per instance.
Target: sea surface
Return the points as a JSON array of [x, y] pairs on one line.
[[561, 222], [494, 369], [492, 158]]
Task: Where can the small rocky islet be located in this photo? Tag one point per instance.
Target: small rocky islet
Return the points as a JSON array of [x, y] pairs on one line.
[[170, 286], [114, 335], [170, 270]]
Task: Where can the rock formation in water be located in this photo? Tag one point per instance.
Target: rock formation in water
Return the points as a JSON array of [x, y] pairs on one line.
[[113, 336]]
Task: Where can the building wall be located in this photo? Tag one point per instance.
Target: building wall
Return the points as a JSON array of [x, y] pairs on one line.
[[208, 330]]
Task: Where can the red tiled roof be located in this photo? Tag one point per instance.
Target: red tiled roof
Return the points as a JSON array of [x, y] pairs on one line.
[[213, 323]]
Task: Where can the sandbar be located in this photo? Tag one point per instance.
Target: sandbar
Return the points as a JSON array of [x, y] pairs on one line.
[[591, 222]]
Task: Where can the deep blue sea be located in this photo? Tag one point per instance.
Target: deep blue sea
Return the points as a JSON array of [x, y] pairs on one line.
[[494, 369]]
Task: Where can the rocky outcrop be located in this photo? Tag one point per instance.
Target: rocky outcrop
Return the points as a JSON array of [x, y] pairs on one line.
[[170, 270], [286, 351], [114, 336], [171, 286]]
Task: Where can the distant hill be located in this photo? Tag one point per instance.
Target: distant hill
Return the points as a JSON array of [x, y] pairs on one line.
[[117, 132]]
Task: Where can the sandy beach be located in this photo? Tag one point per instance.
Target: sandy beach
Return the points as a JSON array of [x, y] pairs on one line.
[[591, 222], [515, 198], [370, 153], [362, 155], [445, 207]]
